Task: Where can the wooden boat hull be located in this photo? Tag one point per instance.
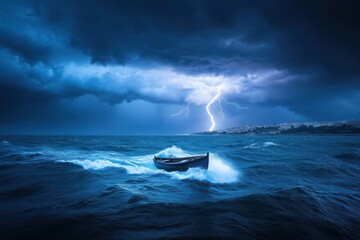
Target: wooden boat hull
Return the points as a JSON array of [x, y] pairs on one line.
[[182, 164]]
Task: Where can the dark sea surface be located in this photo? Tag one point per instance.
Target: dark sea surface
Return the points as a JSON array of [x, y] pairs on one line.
[[256, 187]]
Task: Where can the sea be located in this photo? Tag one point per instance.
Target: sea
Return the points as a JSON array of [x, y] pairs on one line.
[[107, 187]]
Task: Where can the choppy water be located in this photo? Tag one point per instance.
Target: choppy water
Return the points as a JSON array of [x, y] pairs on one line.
[[264, 187]]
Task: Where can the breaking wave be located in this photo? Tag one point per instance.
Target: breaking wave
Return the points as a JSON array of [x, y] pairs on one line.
[[5, 142], [172, 152], [261, 145], [219, 171]]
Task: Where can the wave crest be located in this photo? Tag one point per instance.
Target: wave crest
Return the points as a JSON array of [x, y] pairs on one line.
[[263, 145], [172, 152], [219, 170]]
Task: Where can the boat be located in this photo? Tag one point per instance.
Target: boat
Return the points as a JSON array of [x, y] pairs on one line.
[[183, 163]]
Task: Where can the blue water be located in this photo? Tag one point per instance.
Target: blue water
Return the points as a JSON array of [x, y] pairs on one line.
[[256, 187]]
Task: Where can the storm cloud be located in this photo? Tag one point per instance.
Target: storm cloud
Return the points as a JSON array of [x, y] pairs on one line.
[[302, 57]]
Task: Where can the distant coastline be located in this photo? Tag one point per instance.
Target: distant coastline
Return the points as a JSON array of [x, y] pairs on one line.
[[337, 127]]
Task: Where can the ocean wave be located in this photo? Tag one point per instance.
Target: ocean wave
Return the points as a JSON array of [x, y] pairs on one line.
[[347, 156], [268, 144], [93, 164], [261, 145], [219, 170], [253, 145], [5, 142], [172, 152], [20, 156], [20, 192]]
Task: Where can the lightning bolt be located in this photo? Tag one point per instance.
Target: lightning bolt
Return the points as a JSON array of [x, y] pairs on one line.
[[216, 97], [221, 112], [186, 109], [234, 104]]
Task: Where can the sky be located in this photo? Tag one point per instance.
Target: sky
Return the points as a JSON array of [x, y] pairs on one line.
[[163, 67]]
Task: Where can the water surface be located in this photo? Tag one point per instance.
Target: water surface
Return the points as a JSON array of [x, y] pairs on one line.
[[93, 187]]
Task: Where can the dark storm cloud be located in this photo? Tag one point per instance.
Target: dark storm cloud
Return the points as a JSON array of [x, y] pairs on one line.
[[186, 34], [20, 45], [216, 35], [314, 46], [209, 35]]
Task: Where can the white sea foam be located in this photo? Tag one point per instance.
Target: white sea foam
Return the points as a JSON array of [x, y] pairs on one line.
[[172, 152], [268, 144], [4, 142], [219, 170], [258, 145], [93, 164], [253, 145]]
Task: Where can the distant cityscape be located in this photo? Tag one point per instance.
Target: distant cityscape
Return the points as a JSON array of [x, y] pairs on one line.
[[337, 127]]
